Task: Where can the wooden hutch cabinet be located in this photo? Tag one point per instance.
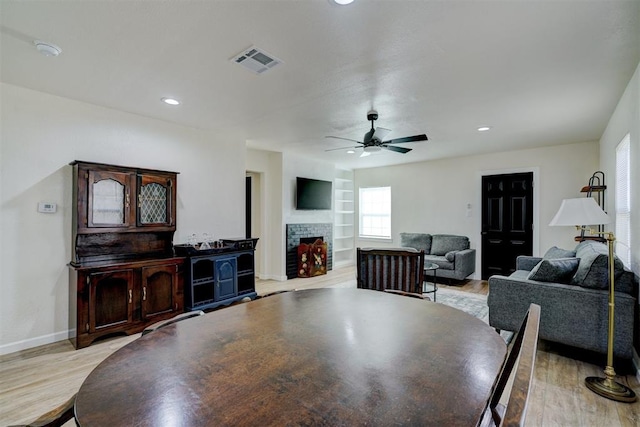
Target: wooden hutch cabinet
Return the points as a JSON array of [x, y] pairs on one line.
[[124, 275]]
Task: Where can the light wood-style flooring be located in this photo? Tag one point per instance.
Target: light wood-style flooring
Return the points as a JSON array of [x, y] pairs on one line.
[[36, 380]]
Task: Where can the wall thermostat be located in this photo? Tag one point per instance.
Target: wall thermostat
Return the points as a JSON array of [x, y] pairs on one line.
[[47, 207]]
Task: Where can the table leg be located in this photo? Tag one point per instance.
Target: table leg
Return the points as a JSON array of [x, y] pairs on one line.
[[435, 284]]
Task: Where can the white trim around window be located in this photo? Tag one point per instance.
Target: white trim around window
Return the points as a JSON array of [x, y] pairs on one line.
[[623, 201], [374, 209]]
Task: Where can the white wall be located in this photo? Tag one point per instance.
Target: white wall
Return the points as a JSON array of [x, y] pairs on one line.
[[268, 165], [40, 135], [432, 196], [625, 120], [278, 174], [295, 166]]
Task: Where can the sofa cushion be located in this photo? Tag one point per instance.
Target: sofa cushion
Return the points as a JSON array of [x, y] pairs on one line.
[[520, 275], [556, 252], [593, 270], [419, 241], [625, 282], [558, 270], [450, 256], [440, 260], [443, 243]]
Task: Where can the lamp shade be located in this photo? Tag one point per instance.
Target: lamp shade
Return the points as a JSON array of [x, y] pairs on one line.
[[580, 211]]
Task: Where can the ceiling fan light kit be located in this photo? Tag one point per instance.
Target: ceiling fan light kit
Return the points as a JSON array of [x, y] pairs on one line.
[[373, 140]]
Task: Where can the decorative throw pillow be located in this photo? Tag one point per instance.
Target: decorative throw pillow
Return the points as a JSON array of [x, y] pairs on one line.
[[558, 270], [593, 271], [450, 256], [556, 252]]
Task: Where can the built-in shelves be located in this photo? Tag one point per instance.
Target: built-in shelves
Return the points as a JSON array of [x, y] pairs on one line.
[[344, 211]]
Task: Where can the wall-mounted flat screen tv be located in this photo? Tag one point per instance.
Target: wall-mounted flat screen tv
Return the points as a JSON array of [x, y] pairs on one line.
[[313, 194]]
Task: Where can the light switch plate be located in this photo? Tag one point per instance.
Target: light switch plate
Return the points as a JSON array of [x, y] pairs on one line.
[[47, 207]]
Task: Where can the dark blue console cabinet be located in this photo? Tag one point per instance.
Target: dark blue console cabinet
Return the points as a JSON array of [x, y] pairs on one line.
[[220, 277]]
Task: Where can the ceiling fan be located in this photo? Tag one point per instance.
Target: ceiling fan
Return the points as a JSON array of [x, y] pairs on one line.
[[374, 139]]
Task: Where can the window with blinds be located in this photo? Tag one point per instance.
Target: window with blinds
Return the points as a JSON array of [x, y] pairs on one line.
[[623, 200], [375, 212]]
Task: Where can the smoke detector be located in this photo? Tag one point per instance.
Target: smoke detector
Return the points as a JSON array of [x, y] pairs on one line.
[[47, 49], [256, 60]]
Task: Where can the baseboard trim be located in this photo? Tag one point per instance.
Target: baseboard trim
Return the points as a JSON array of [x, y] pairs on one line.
[[272, 277], [35, 342]]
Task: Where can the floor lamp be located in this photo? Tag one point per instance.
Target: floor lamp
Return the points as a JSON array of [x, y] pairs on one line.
[[585, 211]]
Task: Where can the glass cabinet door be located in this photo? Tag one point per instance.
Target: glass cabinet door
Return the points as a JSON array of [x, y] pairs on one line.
[[109, 199], [155, 200]]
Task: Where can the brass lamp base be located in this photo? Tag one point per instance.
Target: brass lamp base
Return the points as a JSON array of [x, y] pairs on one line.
[[606, 387]]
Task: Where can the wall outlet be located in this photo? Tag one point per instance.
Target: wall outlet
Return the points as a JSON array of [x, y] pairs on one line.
[[47, 207]]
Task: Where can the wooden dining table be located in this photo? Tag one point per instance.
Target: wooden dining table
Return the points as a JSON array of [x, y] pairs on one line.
[[335, 357]]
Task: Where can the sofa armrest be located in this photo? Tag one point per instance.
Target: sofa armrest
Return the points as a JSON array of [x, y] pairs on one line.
[[525, 262], [465, 262]]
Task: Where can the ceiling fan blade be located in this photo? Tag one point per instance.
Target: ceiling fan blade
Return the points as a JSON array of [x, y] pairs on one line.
[[346, 139], [344, 148], [381, 133], [365, 154], [414, 138], [396, 149]]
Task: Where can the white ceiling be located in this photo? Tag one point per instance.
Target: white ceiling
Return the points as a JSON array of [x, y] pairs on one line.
[[539, 72]]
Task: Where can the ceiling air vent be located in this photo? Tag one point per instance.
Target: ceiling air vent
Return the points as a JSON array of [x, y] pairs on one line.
[[256, 60]]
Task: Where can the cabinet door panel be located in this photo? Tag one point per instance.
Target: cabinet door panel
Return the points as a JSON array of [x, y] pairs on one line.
[[226, 278], [156, 200], [110, 299], [159, 287], [109, 201]]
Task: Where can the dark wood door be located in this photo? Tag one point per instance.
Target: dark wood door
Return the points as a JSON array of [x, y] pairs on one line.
[[507, 221], [110, 299], [159, 290], [247, 211]]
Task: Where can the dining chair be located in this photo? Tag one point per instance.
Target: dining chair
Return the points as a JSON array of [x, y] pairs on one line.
[[174, 319], [56, 417], [395, 269], [523, 351], [407, 294]]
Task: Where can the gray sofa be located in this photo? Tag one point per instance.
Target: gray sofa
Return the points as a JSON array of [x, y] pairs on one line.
[[571, 287], [451, 253]]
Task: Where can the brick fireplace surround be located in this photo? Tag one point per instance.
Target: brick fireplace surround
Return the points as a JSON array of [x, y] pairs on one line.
[[297, 231]]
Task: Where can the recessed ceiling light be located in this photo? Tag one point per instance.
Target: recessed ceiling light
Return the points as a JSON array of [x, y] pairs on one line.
[[47, 49], [343, 2], [350, 152], [484, 128], [170, 101]]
